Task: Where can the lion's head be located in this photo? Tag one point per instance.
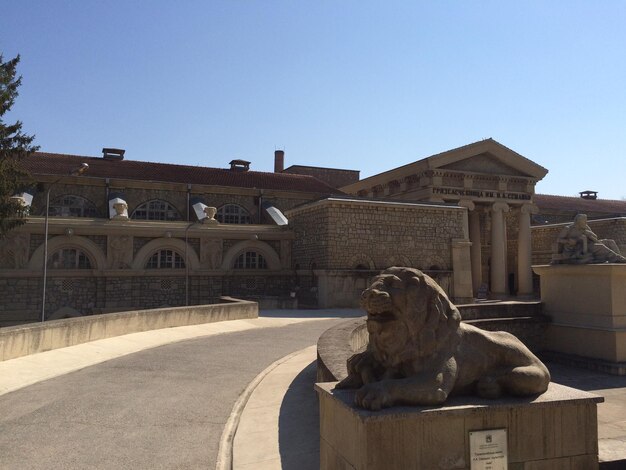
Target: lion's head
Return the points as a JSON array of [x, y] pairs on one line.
[[408, 315]]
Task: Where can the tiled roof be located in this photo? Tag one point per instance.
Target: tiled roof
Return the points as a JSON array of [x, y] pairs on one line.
[[564, 203], [41, 163]]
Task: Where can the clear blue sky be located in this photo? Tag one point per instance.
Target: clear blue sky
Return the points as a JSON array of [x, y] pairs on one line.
[[351, 84]]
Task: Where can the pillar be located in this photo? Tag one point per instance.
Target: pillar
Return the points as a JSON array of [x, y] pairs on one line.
[[524, 251], [498, 249], [461, 270], [475, 249]]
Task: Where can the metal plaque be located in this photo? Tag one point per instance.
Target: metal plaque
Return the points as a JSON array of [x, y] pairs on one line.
[[488, 450]]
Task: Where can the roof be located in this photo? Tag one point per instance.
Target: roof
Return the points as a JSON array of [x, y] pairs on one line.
[[42, 163], [489, 146], [568, 203], [294, 167]]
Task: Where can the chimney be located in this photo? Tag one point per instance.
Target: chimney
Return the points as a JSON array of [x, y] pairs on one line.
[[593, 195], [113, 154], [239, 165], [279, 161]]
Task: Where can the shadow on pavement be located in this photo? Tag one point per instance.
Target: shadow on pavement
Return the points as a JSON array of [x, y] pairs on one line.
[[583, 379], [298, 424]]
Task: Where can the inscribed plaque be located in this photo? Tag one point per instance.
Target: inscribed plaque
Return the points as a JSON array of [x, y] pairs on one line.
[[488, 450]]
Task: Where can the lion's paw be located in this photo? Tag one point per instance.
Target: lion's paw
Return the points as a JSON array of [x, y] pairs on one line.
[[488, 387], [373, 396]]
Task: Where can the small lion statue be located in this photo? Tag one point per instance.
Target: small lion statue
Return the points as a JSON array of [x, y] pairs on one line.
[[420, 353]]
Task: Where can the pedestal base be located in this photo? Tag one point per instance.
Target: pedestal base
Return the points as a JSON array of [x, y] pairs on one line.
[[555, 430], [587, 305]]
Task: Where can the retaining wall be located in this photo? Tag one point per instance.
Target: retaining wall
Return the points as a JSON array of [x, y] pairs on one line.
[[22, 340]]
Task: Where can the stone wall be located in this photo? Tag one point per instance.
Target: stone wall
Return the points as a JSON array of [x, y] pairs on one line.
[[118, 279], [343, 242], [351, 234], [95, 295], [23, 340]]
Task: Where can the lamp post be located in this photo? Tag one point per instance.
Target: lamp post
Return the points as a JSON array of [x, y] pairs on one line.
[[187, 263], [75, 172]]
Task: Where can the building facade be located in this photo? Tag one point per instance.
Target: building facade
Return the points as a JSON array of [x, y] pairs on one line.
[[496, 185], [155, 252], [128, 235]]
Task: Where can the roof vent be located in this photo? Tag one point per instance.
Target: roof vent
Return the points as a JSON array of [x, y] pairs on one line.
[[239, 165], [589, 195], [113, 154]]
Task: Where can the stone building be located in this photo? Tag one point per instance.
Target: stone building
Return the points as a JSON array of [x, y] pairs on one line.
[[496, 185], [129, 234], [344, 241], [151, 250]]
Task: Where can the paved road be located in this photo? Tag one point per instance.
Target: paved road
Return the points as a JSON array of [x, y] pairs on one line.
[[160, 408]]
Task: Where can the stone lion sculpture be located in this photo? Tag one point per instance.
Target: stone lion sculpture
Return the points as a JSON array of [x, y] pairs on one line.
[[420, 353]]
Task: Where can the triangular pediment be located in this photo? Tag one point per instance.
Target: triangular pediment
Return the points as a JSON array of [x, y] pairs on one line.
[[484, 157], [487, 157], [485, 164]]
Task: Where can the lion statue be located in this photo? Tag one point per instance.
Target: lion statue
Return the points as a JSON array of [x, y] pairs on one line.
[[420, 353]]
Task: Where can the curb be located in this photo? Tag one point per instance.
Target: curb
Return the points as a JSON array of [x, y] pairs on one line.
[[225, 451]]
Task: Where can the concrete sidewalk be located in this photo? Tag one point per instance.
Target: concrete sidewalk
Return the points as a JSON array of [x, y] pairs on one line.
[[279, 427]]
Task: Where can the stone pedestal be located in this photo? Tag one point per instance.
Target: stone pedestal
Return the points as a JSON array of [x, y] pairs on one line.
[[555, 430], [587, 304]]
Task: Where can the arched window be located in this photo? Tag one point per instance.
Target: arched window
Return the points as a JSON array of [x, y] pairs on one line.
[[165, 259], [250, 260], [232, 214], [156, 210], [69, 258], [73, 206]]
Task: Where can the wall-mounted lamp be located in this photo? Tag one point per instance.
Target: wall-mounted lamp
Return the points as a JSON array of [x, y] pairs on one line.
[[24, 200]]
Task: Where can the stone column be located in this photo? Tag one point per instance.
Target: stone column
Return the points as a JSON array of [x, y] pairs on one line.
[[461, 270], [475, 249], [524, 250], [498, 248]]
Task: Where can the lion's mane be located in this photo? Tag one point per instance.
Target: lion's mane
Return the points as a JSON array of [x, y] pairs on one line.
[[424, 309]]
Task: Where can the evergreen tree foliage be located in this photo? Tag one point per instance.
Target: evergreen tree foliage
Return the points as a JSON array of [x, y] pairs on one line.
[[14, 145]]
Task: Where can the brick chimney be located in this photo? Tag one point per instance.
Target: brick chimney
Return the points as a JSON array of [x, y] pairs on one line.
[[279, 161]]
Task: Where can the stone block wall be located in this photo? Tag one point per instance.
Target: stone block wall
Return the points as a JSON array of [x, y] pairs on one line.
[[109, 286], [341, 243], [351, 234]]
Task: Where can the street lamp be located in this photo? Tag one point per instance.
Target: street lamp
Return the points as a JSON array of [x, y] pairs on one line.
[[75, 172], [205, 215]]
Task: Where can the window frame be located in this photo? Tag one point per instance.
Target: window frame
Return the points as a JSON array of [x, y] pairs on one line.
[[169, 211], [79, 255], [165, 258], [250, 260], [226, 212], [59, 204]]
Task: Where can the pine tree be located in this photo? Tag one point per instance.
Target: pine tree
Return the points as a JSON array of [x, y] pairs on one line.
[[14, 145]]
